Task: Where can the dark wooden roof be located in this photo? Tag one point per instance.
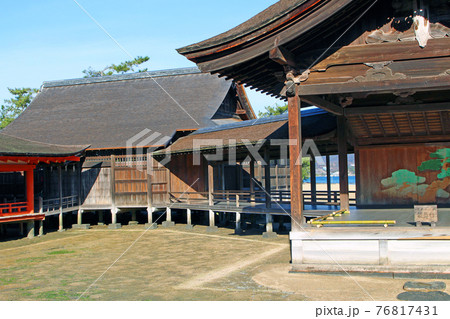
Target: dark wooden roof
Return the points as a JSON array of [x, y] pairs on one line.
[[106, 112], [352, 58], [256, 23], [316, 122], [14, 146], [243, 52]]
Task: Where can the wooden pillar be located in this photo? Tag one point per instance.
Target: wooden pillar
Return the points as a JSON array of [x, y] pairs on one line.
[[29, 176], [113, 216], [210, 184], [267, 185], [61, 222], [80, 168], [30, 229], [188, 216], [240, 175], [133, 216], [150, 215], [295, 154], [168, 214], [41, 228], [79, 216], [100, 218], [252, 181], [212, 227], [269, 233], [211, 218], [312, 168], [238, 223], [328, 177], [112, 180], [343, 164], [150, 224], [149, 184]]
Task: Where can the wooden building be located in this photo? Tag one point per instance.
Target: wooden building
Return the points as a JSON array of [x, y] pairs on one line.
[[20, 162], [122, 117], [382, 67]]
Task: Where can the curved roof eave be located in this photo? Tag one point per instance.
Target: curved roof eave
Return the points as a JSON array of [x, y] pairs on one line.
[[257, 22]]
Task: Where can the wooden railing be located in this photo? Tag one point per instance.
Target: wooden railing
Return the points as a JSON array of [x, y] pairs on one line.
[[54, 204], [188, 197], [130, 160], [13, 208], [238, 198], [98, 159], [327, 198]]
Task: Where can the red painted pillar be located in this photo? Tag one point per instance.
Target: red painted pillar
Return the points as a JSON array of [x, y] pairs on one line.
[[29, 180]]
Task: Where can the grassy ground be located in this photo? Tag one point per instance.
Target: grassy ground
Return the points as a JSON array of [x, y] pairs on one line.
[[162, 264]]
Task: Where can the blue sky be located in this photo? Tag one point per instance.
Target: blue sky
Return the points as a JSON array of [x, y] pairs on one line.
[[54, 39]]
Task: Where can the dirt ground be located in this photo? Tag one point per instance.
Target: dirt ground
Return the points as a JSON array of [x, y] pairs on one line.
[[168, 264]]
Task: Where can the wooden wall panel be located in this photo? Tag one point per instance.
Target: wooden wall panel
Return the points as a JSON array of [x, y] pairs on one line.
[[96, 187], [391, 176], [187, 177]]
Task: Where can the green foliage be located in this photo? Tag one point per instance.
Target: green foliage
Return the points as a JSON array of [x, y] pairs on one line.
[[306, 168], [433, 165], [22, 97], [402, 177], [440, 158], [121, 68], [273, 110]]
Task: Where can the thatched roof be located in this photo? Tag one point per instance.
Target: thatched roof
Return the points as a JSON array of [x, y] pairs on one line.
[[106, 112], [14, 146]]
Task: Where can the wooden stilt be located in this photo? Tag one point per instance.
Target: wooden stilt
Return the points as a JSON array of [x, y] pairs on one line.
[[238, 228], [212, 227], [343, 164], [189, 219]]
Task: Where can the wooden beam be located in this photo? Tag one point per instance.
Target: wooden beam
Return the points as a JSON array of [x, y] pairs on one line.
[[426, 83], [380, 125], [324, 104], [366, 127], [403, 139], [441, 118], [393, 51], [425, 121], [387, 109], [295, 157], [343, 164], [394, 121], [411, 126], [16, 167], [282, 56]]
